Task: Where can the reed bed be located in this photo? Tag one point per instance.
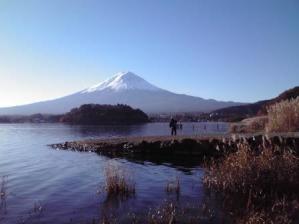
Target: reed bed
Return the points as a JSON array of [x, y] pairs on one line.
[[283, 116], [118, 180], [3, 188], [171, 212], [254, 184], [173, 186], [3, 195], [165, 213]]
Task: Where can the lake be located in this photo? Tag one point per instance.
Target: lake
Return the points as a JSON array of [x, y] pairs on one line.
[[43, 185]]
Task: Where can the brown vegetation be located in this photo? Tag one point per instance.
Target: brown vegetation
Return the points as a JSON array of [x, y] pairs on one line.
[[258, 187], [281, 117], [250, 125], [3, 195], [284, 116], [173, 186], [164, 214], [118, 181], [171, 212]]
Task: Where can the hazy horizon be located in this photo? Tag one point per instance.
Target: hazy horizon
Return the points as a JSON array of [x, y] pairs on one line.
[[84, 89], [223, 50]]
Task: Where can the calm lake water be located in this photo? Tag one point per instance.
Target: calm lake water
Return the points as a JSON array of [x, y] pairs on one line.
[[66, 184]]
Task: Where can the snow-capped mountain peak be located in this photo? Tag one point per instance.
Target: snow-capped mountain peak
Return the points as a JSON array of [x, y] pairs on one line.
[[122, 88], [123, 81]]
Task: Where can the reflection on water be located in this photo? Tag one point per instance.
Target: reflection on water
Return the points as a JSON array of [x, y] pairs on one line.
[[49, 186], [182, 163]]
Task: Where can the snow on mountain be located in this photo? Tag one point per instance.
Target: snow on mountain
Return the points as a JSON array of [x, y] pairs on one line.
[[122, 88], [122, 81]]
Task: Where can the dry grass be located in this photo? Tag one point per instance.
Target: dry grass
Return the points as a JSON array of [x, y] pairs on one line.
[[106, 219], [241, 170], [281, 212], [118, 181], [3, 191], [281, 117], [3, 195], [173, 186], [170, 212], [253, 183], [284, 116], [164, 214], [249, 125]]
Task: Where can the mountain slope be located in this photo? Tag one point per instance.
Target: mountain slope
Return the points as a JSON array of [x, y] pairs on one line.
[[258, 108], [124, 88]]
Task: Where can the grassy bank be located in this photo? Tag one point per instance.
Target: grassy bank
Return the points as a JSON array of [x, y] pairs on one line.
[[281, 117]]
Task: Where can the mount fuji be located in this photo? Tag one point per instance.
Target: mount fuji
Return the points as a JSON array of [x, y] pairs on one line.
[[122, 88]]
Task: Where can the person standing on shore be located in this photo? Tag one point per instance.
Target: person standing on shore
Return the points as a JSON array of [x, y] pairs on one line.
[[173, 126]]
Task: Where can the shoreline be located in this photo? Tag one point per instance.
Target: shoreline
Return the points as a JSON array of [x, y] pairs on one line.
[[210, 146]]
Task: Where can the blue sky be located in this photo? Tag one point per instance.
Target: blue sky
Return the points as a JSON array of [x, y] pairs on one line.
[[226, 49]]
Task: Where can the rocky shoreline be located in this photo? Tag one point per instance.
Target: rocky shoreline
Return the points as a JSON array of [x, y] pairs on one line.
[[194, 146]]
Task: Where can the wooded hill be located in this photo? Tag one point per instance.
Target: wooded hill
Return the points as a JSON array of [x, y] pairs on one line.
[[254, 109]]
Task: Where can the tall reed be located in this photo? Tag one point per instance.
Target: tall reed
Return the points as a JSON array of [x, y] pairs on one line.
[[3, 194], [118, 180], [284, 116], [173, 186], [253, 182]]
